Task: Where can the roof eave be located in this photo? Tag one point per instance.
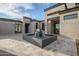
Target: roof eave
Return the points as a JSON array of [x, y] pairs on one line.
[[54, 6], [69, 10]]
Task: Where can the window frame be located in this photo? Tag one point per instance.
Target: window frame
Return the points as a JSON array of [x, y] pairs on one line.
[[18, 26], [71, 16]]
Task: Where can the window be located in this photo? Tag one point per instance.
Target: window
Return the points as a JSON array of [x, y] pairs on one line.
[[72, 16], [57, 26], [18, 28]]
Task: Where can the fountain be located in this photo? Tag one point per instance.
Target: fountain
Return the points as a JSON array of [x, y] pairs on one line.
[[39, 38]]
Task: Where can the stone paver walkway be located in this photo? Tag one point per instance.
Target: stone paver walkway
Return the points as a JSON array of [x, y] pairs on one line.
[[15, 45]]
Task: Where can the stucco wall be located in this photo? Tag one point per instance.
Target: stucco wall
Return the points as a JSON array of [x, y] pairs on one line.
[[26, 20], [70, 27], [41, 24], [32, 25], [70, 5], [7, 27]]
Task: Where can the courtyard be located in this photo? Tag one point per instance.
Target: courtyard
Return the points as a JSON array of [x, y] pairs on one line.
[[15, 45]]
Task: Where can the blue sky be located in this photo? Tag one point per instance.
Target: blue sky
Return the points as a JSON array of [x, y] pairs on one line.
[[16, 11]]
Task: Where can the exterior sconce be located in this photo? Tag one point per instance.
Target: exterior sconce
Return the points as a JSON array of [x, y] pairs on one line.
[[49, 21]]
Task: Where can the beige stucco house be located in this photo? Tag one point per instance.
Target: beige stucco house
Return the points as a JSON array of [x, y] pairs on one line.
[[24, 25], [9, 26], [63, 19], [30, 25]]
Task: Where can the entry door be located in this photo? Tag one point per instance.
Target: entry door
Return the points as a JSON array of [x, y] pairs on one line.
[[56, 27], [26, 28]]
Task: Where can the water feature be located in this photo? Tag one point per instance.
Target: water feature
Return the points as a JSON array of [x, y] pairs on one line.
[[39, 38]]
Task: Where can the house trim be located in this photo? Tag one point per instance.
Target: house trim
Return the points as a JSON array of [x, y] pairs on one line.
[[56, 5], [65, 11], [11, 20], [69, 10]]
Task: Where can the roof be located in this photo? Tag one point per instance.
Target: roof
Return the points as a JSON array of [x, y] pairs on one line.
[[36, 20], [31, 19], [11, 20], [27, 17], [63, 11], [69, 10], [42, 20], [54, 6]]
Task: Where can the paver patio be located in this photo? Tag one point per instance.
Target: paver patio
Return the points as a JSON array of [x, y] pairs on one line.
[[15, 45]]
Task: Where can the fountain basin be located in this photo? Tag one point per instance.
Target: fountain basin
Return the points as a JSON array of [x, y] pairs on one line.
[[40, 41]]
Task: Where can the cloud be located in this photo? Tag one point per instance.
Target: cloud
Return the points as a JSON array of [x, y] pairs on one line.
[[15, 10]]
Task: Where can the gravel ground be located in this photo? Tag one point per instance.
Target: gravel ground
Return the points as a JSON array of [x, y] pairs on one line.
[[15, 45]]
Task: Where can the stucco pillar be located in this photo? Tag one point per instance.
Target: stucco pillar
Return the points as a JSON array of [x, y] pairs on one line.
[[52, 26], [23, 26], [49, 27], [77, 27], [46, 26], [39, 25], [61, 18]]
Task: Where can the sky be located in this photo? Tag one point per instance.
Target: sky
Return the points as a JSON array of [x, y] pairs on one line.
[[18, 10]]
